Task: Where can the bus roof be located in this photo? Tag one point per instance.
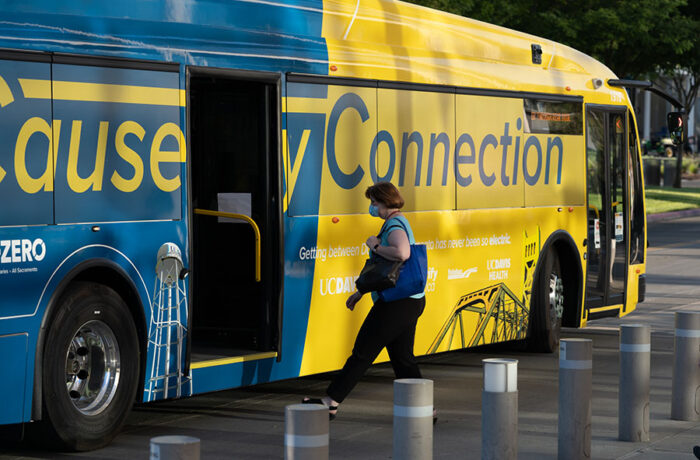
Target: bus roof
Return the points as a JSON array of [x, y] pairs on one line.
[[394, 40], [377, 39]]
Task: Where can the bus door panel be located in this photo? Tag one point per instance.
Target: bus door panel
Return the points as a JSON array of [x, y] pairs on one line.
[[597, 218], [617, 187], [606, 184]]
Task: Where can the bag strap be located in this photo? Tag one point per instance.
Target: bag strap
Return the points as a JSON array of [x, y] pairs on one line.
[[393, 226]]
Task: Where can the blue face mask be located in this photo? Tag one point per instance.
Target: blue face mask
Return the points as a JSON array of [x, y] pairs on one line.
[[373, 210]]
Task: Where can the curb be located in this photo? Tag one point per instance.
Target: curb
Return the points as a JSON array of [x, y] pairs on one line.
[[673, 215], [612, 330]]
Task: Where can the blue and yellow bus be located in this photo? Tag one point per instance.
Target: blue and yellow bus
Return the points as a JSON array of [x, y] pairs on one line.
[[183, 186]]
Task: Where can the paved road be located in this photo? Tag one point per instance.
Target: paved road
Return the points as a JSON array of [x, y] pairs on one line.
[[248, 423]]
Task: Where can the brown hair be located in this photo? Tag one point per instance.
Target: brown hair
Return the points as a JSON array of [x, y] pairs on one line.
[[385, 193]]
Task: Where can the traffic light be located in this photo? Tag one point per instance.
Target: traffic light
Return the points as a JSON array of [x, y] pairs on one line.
[[676, 126]]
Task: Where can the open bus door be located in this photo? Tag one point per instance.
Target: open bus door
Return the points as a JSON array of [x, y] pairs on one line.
[[234, 172]]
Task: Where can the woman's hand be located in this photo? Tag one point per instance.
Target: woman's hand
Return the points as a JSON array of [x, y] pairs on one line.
[[372, 241], [353, 299]]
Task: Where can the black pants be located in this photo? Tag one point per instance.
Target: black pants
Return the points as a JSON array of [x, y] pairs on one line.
[[388, 324]]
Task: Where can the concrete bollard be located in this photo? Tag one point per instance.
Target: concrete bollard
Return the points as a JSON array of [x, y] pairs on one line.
[[633, 399], [174, 448], [413, 419], [685, 397], [306, 432], [499, 410], [575, 392]]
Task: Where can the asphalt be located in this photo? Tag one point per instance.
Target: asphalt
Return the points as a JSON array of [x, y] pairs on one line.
[[248, 423]]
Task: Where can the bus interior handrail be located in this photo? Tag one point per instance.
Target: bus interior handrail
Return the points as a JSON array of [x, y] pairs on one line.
[[251, 222]]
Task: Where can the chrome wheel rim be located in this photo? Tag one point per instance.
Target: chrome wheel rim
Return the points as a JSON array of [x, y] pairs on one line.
[[92, 367], [556, 295]]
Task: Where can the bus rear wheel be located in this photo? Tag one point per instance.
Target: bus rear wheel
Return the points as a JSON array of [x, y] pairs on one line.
[[91, 367], [547, 306]]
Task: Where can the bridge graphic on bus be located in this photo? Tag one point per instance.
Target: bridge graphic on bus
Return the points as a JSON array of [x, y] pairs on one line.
[[496, 306], [502, 316]]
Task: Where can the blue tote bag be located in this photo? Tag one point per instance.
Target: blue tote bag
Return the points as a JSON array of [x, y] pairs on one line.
[[412, 276]]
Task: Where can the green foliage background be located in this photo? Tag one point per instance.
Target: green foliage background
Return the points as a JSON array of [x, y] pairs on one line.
[[635, 38]]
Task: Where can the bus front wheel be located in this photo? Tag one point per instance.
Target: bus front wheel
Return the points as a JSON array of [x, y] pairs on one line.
[[91, 367], [547, 306]]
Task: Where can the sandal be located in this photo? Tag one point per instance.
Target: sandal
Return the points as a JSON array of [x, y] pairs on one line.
[[332, 410]]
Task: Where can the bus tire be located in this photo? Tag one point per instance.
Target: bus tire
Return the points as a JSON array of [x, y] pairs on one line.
[[91, 368], [547, 306]]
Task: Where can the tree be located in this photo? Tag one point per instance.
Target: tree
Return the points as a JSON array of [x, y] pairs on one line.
[[680, 72], [632, 37]]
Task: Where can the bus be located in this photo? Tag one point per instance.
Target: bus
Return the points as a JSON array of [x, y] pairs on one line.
[[183, 187]]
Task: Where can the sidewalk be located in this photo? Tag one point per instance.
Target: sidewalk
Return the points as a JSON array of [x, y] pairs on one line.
[[248, 423], [694, 183], [673, 215], [673, 284]]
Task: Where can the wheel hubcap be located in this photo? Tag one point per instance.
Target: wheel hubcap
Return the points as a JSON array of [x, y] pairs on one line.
[[556, 295], [92, 367]]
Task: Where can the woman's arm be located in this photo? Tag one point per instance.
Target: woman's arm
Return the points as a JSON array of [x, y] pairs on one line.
[[398, 249]]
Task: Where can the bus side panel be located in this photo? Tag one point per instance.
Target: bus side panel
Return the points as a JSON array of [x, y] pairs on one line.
[[13, 349], [67, 247], [485, 162], [111, 152]]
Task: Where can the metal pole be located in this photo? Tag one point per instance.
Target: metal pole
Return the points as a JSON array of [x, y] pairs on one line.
[[306, 432], [685, 400], [174, 448], [633, 400], [413, 419], [169, 339], [499, 410], [575, 391]]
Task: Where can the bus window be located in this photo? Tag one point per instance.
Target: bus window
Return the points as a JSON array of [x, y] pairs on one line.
[[488, 143], [330, 133], [26, 171], [552, 168], [421, 127], [553, 117], [119, 144]]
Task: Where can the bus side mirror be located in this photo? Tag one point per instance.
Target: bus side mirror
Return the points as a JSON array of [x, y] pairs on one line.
[[676, 122]]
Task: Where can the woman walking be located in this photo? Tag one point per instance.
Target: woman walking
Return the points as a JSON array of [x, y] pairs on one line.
[[388, 324]]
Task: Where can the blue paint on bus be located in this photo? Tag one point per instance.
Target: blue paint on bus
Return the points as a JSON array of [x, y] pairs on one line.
[[52, 202]]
